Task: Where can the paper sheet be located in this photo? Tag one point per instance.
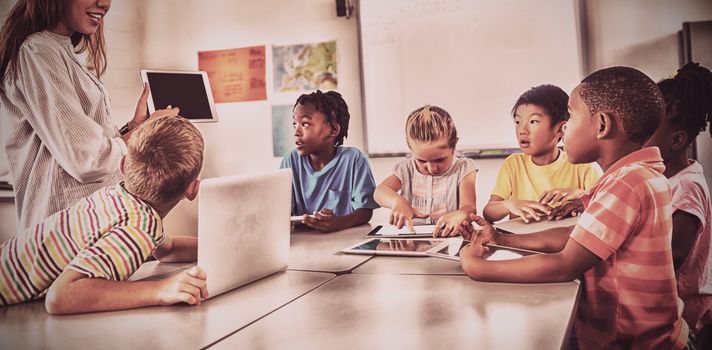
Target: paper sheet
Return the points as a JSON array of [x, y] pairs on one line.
[[519, 226]]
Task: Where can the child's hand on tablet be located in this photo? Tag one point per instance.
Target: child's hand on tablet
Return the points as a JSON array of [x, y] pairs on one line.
[[450, 224], [402, 214]]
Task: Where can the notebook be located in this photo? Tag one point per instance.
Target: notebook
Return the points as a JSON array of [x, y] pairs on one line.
[[243, 228]]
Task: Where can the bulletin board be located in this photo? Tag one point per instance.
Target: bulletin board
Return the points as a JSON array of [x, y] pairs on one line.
[[471, 57], [235, 74]]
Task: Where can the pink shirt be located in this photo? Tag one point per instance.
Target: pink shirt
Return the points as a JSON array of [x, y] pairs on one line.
[[629, 299], [694, 278]]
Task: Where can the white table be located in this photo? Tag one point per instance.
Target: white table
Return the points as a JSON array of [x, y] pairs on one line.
[[314, 251], [28, 326], [361, 311], [410, 266]]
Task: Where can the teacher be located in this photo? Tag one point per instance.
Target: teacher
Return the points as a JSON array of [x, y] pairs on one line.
[[62, 144]]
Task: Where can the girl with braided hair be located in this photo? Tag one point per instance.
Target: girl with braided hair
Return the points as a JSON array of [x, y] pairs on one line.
[[332, 185], [688, 100]]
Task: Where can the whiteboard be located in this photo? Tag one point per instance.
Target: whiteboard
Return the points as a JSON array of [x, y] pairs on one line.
[[471, 57]]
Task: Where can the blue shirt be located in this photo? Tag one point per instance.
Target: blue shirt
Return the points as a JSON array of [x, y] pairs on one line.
[[343, 185]]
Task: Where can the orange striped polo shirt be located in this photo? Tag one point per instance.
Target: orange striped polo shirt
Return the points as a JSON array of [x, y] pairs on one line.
[[106, 235], [629, 299]]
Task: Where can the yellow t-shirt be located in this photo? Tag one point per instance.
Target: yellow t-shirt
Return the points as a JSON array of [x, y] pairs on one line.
[[519, 178]]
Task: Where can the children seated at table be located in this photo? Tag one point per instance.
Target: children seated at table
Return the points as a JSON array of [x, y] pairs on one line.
[[332, 185], [620, 246], [80, 257], [688, 102], [435, 186], [530, 184]]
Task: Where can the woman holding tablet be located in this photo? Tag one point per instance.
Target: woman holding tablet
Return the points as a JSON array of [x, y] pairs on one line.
[[62, 144]]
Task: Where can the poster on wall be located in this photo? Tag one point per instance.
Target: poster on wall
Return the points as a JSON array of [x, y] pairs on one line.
[[305, 67], [235, 74], [282, 131]]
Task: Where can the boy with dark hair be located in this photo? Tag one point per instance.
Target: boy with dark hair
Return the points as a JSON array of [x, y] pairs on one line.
[[620, 245], [530, 184], [332, 185]]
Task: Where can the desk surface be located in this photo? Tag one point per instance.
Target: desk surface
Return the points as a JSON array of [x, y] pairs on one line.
[[28, 326], [313, 251], [417, 312], [410, 266]]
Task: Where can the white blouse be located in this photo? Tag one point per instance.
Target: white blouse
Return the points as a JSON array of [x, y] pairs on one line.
[[61, 144]]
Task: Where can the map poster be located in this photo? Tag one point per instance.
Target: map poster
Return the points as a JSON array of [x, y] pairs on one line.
[[236, 74], [305, 67], [282, 131]]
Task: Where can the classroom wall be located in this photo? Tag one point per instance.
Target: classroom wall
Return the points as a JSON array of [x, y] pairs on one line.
[[639, 33]]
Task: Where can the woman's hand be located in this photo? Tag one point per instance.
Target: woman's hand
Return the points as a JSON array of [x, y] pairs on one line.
[[141, 113]]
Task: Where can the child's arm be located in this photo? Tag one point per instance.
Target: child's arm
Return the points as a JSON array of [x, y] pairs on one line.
[[684, 232], [73, 292], [325, 220], [564, 265], [401, 211], [177, 249], [386, 194], [451, 224], [547, 241], [498, 207]]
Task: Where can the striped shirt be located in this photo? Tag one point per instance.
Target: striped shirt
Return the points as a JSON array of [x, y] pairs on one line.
[[694, 278], [62, 144], [629, 298], [106, 235], [433, 195]]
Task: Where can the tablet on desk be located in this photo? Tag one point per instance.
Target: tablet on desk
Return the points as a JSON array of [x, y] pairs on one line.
[[299, 218], [188, 90], [390, 231], [393, 246], [451, 250]]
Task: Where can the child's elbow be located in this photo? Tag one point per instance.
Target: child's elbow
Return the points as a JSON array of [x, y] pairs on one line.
[[54, 303], [378, 195], [472, 271]]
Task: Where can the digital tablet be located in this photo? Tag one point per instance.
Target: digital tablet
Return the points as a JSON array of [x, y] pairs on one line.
[[451, 250], [390, 231], [188, 90], [298, 218], [394, 246]]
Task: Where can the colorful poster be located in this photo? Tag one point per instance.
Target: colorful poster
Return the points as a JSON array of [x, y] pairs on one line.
[[305, 67], [282, 131], [235, 74]]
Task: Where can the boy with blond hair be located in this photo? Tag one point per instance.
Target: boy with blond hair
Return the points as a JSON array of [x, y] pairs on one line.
[[80, 257], [620, 246]]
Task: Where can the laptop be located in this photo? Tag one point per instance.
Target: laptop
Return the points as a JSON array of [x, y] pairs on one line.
[[243, 229]]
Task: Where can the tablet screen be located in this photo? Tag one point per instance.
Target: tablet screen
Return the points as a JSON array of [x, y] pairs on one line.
[[186, 91], [453, 249], [398, 245]]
